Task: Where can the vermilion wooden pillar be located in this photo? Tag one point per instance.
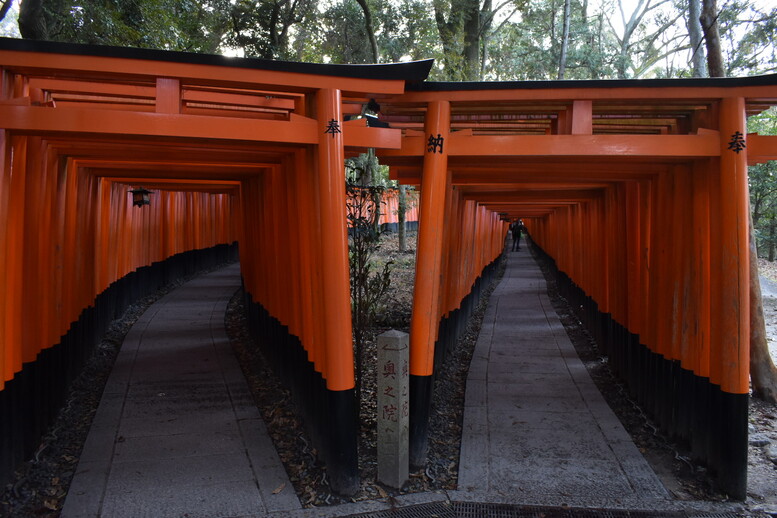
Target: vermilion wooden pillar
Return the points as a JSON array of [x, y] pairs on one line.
[[342, 432], [730, 333], [310, 199], [445, 260], [646, 209], [633, 258], [34, 253], [6, 370], [450, 295], [14, 246], [425, 319], [306, 287], [700, 250], [701, 266], [295, 222]]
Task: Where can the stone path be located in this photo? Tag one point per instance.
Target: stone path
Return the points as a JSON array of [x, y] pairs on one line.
[[536, 429], [177, 432]]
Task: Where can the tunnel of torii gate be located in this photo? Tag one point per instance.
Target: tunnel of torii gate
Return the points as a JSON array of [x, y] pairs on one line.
[[635, 190]]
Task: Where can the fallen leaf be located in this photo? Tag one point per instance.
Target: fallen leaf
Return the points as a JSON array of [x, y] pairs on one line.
[[279, 489]]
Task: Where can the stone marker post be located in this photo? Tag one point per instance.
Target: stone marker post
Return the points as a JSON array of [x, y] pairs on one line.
[[393, 408]]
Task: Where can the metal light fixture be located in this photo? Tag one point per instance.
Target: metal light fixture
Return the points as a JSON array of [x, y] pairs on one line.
[[370, 112], [140, 196]]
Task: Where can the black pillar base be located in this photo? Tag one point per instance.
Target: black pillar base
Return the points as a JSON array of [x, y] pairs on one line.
[[342, 457], [729, 448], [687, 407], [420, 407], [330, 417]]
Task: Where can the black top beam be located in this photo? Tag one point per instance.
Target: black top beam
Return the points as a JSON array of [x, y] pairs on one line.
[[414, 71], [691, 82]]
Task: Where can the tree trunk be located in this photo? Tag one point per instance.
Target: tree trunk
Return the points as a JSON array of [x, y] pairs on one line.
[[709, 24], [447, 31], [32, 20], [552, 22], [4, 8], [374, 181], [486, 21], [763, 373], [772, 228], [696, 37], [401, 211], [595, 72], [562, 62], [370, 30], [471, 52]]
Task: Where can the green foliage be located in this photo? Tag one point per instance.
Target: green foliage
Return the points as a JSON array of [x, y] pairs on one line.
[[183, 25], [369, 282], [263, 28], [345, 37], [762, 179], [469, 39], [750, 34], [365, 170], [403, 29], [529, 48]]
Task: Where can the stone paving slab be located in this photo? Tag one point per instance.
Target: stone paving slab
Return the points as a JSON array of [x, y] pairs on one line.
[[240, 498]]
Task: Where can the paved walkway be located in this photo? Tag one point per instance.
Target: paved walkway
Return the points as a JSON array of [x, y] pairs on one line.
[[176, 433], [536, 429]]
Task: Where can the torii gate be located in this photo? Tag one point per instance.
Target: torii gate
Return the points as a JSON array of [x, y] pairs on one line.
[[238, 150], [637, 189]]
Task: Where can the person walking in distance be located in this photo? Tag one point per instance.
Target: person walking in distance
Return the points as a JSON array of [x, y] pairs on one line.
[[516, 228]]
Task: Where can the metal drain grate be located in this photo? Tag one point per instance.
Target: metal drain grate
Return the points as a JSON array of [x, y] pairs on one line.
[[476, 510], [479, 510], [433, 510]]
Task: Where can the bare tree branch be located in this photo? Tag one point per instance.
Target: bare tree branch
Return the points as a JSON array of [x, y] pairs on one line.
[[5, 8], [489, 18], [370, 31]]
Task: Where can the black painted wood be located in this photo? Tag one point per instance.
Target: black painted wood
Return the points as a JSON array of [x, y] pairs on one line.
[[330, 417]]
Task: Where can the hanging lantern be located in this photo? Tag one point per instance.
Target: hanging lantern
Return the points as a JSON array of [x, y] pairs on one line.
[[140, 197]]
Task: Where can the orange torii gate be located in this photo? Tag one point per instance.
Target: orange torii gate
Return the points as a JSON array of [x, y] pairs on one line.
[[638, 191], [236, 150]]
